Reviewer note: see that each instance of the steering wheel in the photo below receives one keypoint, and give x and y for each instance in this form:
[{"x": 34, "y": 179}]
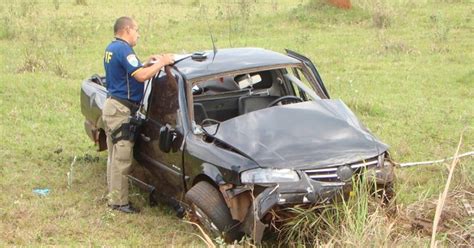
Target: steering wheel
[{"x": 285, "y": 98}]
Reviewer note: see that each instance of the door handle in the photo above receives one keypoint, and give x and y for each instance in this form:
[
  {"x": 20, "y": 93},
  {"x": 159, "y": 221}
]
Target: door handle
[{"x": 145, "y": 138}]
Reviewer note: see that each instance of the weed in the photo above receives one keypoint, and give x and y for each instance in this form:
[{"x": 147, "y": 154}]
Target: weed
[
  {"x": 395, "y": 46},
  {"x": 355, "y": 219},
  {"x": 274, "y": 4},
  {"x": 245, "y": 8},
  {"x": 27, "y": 7},
  {"x": 7, "y": 29},
  {"x": 317, "y": 4},
  {"x": 196, "y": 3},
  {"x": 440, "y": 33},
  {"x": 81, "y": 2},
  {"x": 57, "y": 63},
  {"x": 56, "y": 4},
  {"x": 381, "y": 15},
  {"x": 237, "y": 17},
  {"x": 301, "y": 40},
  {"x": 60, "y": 70},
  {"x": 108, "y": 216},
  {"x": 32, "y": 63}
]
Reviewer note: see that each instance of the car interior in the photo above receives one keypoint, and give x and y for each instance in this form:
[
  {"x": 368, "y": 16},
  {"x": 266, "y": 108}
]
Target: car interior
[{"x": 230, "y": 96}]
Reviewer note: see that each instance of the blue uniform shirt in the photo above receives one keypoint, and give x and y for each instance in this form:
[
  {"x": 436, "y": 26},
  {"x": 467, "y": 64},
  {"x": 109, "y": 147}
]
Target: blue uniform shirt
[{"x": 121, "y": 63}]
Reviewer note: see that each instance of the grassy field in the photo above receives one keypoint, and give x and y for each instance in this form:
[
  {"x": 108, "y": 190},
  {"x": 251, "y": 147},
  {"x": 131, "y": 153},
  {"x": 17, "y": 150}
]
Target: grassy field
[{"x": 405, "y": 67}]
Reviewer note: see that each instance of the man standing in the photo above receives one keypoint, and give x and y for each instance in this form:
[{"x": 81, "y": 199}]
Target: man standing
[{"x": 125, "y": 75}]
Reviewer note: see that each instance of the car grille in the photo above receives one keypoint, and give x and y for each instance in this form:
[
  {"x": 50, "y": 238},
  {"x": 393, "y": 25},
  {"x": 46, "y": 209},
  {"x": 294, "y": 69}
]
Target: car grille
[{"x": 329, "y": 174}]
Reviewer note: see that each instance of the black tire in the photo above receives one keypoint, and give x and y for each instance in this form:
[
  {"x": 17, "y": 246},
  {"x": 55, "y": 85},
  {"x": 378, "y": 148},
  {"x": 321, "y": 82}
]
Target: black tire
[{"x": 209, "y": 208}]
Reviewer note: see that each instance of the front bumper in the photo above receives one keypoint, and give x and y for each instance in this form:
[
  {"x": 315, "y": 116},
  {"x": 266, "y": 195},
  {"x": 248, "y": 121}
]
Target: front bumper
[{"x": 305, "y": 191}]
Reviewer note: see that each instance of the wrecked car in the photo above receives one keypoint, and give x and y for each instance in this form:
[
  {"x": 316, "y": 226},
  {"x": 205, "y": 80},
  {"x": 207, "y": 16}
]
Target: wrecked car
[{"x": 238, "y": 134}]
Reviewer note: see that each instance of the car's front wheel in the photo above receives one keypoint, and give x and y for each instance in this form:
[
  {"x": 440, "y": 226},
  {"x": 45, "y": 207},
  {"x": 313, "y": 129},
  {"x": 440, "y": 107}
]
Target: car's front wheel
[
  {"x": 209, "y": 208},
  {"x": 386, "y": 192}
]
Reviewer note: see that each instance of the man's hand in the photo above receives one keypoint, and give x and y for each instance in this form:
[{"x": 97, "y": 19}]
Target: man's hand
[
  {"x": 167, "y": 59},
  {"x": 151, "y": 60},
  {"x": 153, "y": 65}
]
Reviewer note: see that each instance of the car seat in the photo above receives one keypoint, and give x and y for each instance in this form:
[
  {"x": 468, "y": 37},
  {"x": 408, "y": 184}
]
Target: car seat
[{"x": 251, "y": 103}]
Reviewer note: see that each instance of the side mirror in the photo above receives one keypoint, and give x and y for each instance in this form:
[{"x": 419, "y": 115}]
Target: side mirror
[{"x": 167, "y": 136}]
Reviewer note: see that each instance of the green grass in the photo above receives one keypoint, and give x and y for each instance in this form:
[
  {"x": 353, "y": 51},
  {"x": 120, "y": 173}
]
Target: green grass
[{"x": 404, "y": 67}]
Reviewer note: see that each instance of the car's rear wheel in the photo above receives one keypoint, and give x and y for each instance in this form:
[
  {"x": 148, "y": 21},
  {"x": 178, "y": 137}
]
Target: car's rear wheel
[{"x": 209, "y": 209}]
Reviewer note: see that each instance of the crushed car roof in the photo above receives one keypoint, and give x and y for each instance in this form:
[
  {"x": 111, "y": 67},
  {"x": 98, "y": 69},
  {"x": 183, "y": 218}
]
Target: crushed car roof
[{"x": 231, "y": 59}]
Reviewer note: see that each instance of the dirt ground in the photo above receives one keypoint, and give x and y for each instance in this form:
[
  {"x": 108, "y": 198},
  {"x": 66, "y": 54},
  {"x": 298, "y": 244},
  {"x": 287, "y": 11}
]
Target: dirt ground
[{"x": 457, "y": 218}]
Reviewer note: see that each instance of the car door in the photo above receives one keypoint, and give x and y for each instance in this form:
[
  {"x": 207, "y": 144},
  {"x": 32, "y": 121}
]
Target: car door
[
  {"x": 165, "y": 169},
  {"x": 311, "y": 68}
]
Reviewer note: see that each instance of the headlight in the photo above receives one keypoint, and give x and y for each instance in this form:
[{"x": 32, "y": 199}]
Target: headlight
[{"x": 261, "y": 175}]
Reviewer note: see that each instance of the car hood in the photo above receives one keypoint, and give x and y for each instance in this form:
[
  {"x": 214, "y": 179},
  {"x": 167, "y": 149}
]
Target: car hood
[{"x": 310, "y": 134}]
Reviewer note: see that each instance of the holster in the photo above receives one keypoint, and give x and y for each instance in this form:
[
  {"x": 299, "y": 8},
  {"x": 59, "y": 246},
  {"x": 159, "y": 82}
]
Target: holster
[{"x": 128, "y": 130}]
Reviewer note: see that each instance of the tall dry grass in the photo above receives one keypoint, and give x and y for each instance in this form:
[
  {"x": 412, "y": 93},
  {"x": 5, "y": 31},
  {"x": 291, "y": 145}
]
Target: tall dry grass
[{"x": 357, "y": 220}]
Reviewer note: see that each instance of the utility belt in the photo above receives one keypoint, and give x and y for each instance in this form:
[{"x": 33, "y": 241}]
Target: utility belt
[{"x": 131, "y": 129}]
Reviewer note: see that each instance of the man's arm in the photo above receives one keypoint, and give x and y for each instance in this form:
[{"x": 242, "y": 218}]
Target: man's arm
[{"x": 150, "y": 69}]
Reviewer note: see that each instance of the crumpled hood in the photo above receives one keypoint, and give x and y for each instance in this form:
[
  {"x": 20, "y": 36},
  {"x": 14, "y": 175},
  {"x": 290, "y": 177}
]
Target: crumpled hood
[{"x": 310, "y": 134}]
